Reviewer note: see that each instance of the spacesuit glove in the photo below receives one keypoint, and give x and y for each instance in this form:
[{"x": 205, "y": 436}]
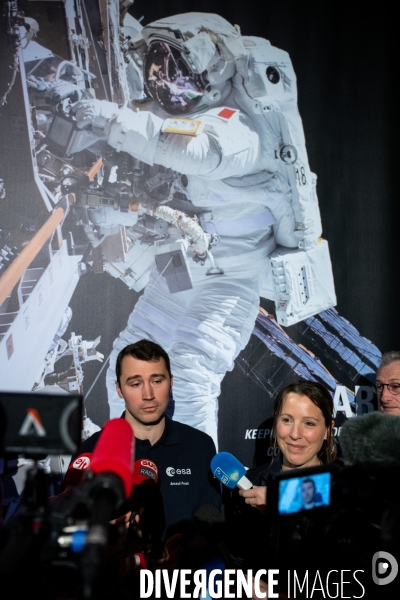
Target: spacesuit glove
[
  {"x": 59, "y": 91},
  {"x": 96, "y": 113}
]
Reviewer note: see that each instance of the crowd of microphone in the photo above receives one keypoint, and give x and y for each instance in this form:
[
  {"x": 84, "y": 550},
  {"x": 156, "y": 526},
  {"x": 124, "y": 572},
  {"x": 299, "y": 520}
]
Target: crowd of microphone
[
  {"x": 72, "y": 545},
  {"x": 65, "y": 548}
]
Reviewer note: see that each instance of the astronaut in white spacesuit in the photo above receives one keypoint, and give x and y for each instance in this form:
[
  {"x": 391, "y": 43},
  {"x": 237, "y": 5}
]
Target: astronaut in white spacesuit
[{"x": 224, "y": 115}]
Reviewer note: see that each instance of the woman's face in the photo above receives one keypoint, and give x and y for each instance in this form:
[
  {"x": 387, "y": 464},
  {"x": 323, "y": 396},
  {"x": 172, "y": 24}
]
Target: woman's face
[{"x": 300, "y": 431}]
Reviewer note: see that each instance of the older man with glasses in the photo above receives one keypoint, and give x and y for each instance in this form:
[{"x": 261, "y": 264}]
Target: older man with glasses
[{"x": 388, "y": 383}]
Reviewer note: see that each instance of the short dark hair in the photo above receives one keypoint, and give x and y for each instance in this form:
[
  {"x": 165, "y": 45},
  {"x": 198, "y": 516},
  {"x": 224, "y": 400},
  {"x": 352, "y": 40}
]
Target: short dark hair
[
  {"x": 308, "y": 480},
  {"x": 142, "y": 350},
  {"x": 320, "y": 396},
  {"x": 389, "y": 357}
]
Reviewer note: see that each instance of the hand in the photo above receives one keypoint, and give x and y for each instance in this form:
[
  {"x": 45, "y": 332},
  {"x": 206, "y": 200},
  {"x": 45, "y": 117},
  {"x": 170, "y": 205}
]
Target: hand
[
  {"x": 263, "y": 589},
  {"x": 122, "y": 520},
  {"x": 54, "y": 501},
  {"x": 136, "y": 522},
  {"x": 97, "y": 113},
  {"x": 132, "y": 564},
  {"x": 256, "y": 497},
  {"x": 171, "y": 554},
  {"x": 60, "y": 90}
]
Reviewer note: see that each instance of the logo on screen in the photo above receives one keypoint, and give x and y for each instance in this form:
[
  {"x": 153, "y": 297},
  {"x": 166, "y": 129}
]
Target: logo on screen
[
  {"x": 384, "y": 568},
  {"x": 32, "y": 424}
]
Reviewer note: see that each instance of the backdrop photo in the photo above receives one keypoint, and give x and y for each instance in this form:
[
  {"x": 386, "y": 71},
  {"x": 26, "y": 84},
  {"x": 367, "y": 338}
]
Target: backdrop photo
[{"x": 232, "y": 199}]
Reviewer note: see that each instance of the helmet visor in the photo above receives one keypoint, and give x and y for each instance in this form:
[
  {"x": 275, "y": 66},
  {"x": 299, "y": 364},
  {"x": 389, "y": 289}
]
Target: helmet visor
[{"x": 169, "y": 80}]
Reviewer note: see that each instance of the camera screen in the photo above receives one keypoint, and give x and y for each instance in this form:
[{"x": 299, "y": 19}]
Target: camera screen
[
  {"x": 60, "y": 130},
  {"x": 304, "y": 493},
  {"x": 38, "y": 424},
  {"x": 60, "y": 134}
]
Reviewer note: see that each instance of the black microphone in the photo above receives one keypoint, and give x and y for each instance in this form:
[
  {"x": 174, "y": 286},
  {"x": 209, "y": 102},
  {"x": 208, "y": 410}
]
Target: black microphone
[
  {"x": 371, "y": 440},
  {"x": 112, "y": 468},
  {"x": 212, "y": 525},
  {"x": 145, "y": 478},
  {"x": 146, "y": 494}
]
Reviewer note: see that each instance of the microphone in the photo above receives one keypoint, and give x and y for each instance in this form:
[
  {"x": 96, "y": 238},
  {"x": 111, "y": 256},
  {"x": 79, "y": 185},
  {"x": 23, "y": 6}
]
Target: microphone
[
  {"x": 372, "y": 440},
  {"x": 211, "y": 525},
  {"x": 145, "y": 479},
  {"x": 230, "y": 471},
  {"x": 111, "y": 465},
  {"x": 132, "y": 562},
  {"x": 74, "y": 475},
  {"x": 144, "y": 470},
  {"x": 114, "y": 454},
  {"x": 76, "y": 470}
]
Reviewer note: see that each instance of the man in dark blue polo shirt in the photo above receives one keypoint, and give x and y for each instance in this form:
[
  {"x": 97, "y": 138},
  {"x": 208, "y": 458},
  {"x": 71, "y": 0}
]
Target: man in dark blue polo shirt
[{"x": 181, "y": 453}]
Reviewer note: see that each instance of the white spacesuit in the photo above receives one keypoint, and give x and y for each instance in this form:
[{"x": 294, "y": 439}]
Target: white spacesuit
[{"x": 225, "y": 116}]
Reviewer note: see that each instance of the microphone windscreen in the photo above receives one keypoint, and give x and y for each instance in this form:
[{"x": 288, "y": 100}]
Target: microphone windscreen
[
  {"x": 227, "y": 469},
  {"x": 114, "y": 452},
  {"x": 371, "y": 439},
  {"x": 76, "y": 470},
  {"x": 144, "y": 471}
]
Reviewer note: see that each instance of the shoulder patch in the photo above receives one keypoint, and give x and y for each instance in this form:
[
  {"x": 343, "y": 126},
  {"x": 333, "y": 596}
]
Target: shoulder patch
[{"x": 183, "y": 126}]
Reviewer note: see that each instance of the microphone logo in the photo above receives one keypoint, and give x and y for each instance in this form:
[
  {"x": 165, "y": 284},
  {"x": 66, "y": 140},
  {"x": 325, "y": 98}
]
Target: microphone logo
[
  {"x": 82, "y": 462},
  {"x": 223, "y": 477},
  {"x": 147, "y": 473},
  {"x": 148, "y": 463},
  {"x": 384, "y": 568},
  {"x": 32, "y": 424}
]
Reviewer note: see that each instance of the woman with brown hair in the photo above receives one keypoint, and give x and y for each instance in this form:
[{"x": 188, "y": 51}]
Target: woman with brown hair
[{"x": 303, "y": 431}]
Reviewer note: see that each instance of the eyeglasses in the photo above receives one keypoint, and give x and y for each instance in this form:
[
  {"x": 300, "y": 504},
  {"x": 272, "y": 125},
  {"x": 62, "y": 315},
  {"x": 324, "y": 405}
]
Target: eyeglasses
[{"x": 393, "y": 388}]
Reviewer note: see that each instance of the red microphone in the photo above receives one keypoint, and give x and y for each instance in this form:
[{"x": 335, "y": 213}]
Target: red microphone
[
  {"x": 144, "y": 471},
  {"x": 76, "y": 470},
  {"x": 133, "y": 562},
  {"x": 114, "y": 452},
  {"x": 112, "y": 468}
]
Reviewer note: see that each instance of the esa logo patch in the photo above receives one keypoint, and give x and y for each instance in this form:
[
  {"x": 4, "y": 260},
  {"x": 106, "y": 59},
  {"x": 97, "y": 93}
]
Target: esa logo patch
[{"x": 171, "y": 471}]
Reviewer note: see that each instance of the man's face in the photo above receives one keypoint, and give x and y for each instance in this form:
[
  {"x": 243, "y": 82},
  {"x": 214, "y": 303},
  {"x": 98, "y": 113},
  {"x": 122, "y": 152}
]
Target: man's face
[
  {"x": 307, "y": 492},
  {"x": 145, "y": 387},
  {"x": 389, "y": 402}
]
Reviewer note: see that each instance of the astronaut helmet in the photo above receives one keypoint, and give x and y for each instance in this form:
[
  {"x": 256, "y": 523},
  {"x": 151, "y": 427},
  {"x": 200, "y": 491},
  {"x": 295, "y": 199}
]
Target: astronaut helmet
[{"x": 190, "y": 60}]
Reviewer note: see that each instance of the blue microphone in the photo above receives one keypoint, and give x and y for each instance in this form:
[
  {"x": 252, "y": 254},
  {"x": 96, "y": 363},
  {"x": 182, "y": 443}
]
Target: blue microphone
[{"x": 230, "y": 471}]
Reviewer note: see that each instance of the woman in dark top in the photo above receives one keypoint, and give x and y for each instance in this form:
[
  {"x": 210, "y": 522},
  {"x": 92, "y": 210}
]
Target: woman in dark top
[{"x": 303, "y": 431}]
